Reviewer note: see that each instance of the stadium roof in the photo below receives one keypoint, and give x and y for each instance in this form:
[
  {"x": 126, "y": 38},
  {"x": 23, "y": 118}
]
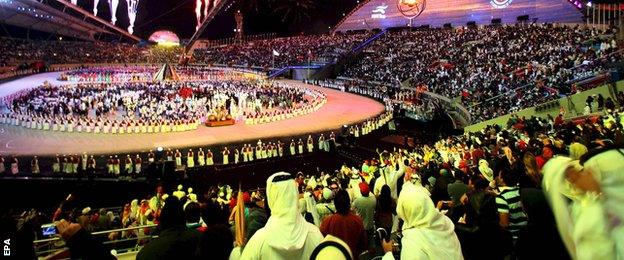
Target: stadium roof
[{"x": 58, "y": 17}]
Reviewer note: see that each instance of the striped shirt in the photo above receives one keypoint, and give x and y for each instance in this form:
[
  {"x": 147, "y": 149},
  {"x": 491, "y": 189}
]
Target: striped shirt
[{"x": 508, "y": 201}]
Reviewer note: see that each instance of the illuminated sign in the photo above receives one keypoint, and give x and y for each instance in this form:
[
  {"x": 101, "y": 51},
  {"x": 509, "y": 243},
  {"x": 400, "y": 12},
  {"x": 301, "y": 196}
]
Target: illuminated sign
[
  {"x": 379, "y": 12},
  {"x": 500, "y": 4}
]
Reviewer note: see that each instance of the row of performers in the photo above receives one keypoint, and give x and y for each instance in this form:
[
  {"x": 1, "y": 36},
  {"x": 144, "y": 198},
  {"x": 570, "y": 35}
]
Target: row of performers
[
  {"x": 277, "y": 115},
  {"x": 247, "y": 153},
  {"x": 126, "y": 126},
  {"x": 106, "y": 77},
  {"x": 71, "y": 164}
]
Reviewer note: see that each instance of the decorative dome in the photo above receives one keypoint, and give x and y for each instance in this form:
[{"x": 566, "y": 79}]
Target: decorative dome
[{"x": 165, "y": 38}]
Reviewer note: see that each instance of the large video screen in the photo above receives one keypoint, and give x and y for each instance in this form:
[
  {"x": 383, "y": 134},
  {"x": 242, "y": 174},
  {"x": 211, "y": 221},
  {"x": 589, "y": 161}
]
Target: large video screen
[{"x": 436, "y": 13}]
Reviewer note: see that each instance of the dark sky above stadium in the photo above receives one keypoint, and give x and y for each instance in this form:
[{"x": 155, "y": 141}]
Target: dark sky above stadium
[{"x": 284, "y": 17}]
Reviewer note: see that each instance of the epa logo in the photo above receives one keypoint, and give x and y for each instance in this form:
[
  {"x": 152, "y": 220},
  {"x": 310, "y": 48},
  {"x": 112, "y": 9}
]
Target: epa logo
[
  {"x": 7, "y": 247},
  {"x": 500, "y": 4}
]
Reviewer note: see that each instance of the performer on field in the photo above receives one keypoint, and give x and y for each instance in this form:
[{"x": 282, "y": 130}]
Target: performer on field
[
  {"x": 116, "y": 165},
  {"x": 83, "y": 161},
  {"x": 209, "y": 158},
  {"x": 169, "y": 155},
  {"x": 178, "y": 158},
  {"x": 226, "y": 155},
  {"x": 236, "y": 155},
  {"x": 292, "y": 147},
  {"x": 190, "y": 159},
  {"x": 91, "y": 164},
  {"x": 56, "y": 165},
  {"x": 300, "y": 146},
  {"x": 137, "y": 164},
  {"x": 245, "y": 153},
  {"x": 201, "y": 157},
  {"x": 321, "y": 143},
  {"x": 34, "y": 166},
  {"x": 310, "y": 144},
  {"x": 151, "y": 157},
  {"x": 110, "y": 165},
  {"x": 128, "y": 165}
]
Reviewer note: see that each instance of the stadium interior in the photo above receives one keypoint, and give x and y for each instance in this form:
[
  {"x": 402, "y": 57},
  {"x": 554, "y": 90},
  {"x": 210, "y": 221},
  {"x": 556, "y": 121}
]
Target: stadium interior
[{"x": 301, "y": 129}]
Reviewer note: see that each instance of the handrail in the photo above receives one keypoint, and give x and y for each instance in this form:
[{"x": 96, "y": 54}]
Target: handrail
[{"x": 96, "y": 233}]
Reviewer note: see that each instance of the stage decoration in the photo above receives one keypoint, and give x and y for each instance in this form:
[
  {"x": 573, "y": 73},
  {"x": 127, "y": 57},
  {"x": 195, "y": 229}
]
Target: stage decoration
[
  {"x": 411, "y": 9},
  {"x": 113, "y": 8},
  {"x": 500, "y": 4},
  {"x": 132, "y": 12},
  {"x": 95, "y": 4},
  {"x": 167, "y": 38}
]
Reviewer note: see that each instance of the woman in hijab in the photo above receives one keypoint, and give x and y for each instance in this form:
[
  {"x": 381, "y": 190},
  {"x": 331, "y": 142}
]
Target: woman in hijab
[
  {"x": 427, "y": 234},
  {"x": 587, "y": 203},
  {"x": 286, "y": 234}
]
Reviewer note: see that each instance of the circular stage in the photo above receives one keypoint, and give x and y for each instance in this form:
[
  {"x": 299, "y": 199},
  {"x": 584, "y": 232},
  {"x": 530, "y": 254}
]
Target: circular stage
[{"x": 341, "y": 109}]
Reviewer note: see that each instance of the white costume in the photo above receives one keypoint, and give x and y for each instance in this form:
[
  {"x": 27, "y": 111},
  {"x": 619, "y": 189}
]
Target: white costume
[
  {"x": 427, "y": 233},
  {"x": 590, "y": 225},
  {"x": 286, "y": 234}
]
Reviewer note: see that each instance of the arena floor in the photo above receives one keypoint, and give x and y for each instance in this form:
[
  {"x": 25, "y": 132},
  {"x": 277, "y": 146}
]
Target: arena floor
[{"x": 341, "y": 108}]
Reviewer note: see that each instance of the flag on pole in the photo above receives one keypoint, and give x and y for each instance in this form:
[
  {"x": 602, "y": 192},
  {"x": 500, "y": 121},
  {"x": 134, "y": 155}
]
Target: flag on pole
[
  {"x": 239, "y": 218},
  {"x": 275, "y": 53}
]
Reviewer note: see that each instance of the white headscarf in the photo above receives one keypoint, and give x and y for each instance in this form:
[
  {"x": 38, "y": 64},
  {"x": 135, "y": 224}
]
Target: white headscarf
[
  {"x": 286, "y": 234},
  {"x": 486, "y": 171},
  {"x": 580, "y": 216},
  {"x": 427, "y": 234}
]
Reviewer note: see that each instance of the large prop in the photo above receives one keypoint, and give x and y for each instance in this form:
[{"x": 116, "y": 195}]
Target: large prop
[{"x": 411, "y": 9}]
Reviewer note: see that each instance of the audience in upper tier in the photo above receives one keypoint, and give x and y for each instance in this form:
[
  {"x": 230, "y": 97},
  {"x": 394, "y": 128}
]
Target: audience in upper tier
[
  {"x": 17, "y": 51},
  {"x": 281, "y": 52}
]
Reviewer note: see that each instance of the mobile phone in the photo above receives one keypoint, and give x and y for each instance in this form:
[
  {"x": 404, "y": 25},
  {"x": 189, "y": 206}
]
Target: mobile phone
[{"x": 48, "y": 229}]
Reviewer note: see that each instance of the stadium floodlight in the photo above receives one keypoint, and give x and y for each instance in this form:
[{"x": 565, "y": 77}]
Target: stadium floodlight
[
  {"x": 132, "y": 12},
  {"x": 113, "y": 7}
]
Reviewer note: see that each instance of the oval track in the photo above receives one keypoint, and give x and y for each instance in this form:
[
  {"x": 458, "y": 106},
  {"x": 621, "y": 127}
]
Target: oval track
[{"x": 341, "y": 109}]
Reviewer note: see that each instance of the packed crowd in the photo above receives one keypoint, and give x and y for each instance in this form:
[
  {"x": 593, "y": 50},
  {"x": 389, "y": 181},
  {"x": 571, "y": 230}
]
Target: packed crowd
[
  {"x": 16, "y": 51},
  {"x": 281, "y": 52},
  {"x": 412, "y": 101},
  {"x": 498, "y": 193},
  {"x": 527, "y": 64},
  {"x": 153, "y": 107}
]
